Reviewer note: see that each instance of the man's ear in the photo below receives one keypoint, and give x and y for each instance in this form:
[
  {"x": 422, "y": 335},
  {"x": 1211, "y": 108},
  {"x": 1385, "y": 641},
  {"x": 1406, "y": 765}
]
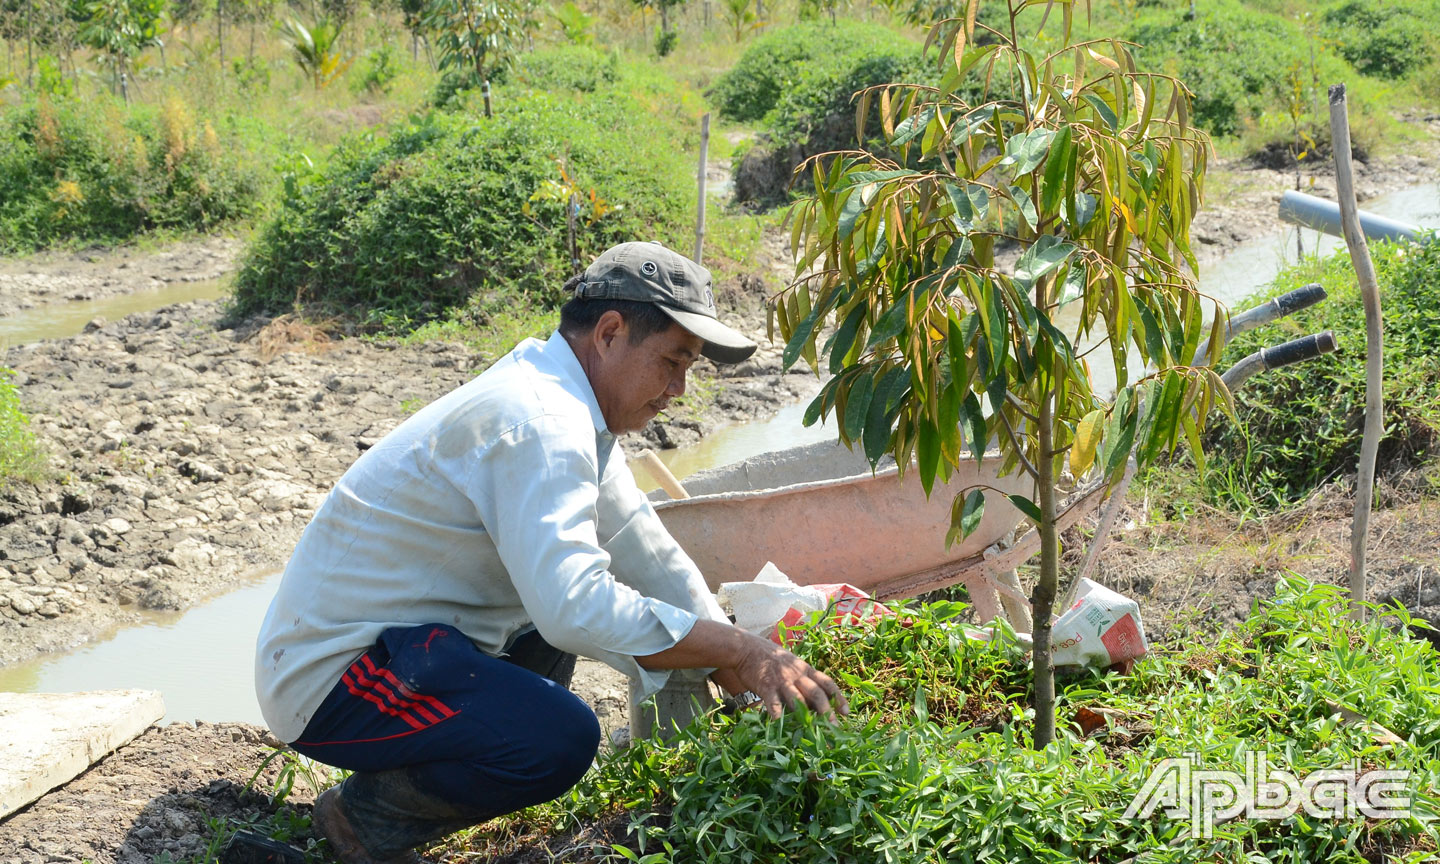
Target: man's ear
[{"x": 608, "y": 329}]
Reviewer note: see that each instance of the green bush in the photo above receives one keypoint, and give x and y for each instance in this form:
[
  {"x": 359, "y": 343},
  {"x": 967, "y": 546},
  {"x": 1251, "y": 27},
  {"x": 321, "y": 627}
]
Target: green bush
[
  {"x": 1384, "y": 39},
  {"x": 21, "y": 457},
  {"x": 1302, "y": 425},
  {"x": 568, "y": 68},
  {"x": 1240, "y": 64},
  {"x": 105, "y": 172},
  {"x": 454, "y": 211},
  {"x": 775, "y": 63},
  {"x": 934, "y": 764}
]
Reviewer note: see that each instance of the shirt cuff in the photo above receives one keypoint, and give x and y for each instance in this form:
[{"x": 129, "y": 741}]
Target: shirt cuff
[{"x": 675, "y": 623}]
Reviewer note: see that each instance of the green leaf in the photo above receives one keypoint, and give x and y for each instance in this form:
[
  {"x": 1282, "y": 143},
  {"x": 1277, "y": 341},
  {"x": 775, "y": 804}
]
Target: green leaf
[
  {"x": 1075, "y": 280},
  {"x": 1105, "y": 111},
  {"x": 822, "y": 401},
  {"x": 972, "y": 513},
  {"x": 1025, "y": 151},
  {"x": 854, "y": 206},
  {"x": 927, "y": 454},
  {"x": 891, "y": 323},
  {"x": 912, "y": 127},
  {"x": 1044, "y": 255},
  {"x": 801, "y": 337},
  {"x": 844, "y": 338},
  {"x": 1085, "y": 207},
  {"x": 972, "y": 421},
  {"x": 884, "y": 406},
  {"x": 863, "y": 178},
  {"x": 1026, "y": 506},
  {"x": 1025, "y": 205},
  {"x": 857, "y": 404},
  {"x": 1055, "y": 170}
]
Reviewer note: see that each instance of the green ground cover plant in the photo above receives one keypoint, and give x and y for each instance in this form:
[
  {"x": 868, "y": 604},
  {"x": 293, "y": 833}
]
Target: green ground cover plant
[
  {"x": 1301, "y": 425},
  {"x": 934, "y": 763},
  {"x": 21, "y": 457},
  {"x": 103, "y": 171}
]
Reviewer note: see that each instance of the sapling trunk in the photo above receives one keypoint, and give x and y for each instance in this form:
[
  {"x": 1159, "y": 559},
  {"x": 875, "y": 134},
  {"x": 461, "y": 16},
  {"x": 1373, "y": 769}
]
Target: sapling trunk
[{"x": 1042, "y": 599}]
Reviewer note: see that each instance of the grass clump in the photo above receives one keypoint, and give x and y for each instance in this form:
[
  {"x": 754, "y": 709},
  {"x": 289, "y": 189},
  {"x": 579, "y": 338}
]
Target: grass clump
[
  {"x": 21, "y": 457},
  {"x": 102, "y": 171},
  {"x": 455, "y": 214},
  {"x": 916, "y": 774},
  {"x": 1301, "y": 426}
]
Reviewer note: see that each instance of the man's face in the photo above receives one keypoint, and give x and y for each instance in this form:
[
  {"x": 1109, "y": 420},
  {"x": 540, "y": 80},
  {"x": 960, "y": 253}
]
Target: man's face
[{"x": 636, "y": 382}]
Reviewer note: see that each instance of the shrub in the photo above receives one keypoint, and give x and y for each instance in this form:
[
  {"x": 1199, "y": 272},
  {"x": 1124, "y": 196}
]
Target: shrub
[
  {"x": 1302, "y": 424},
  {"x": 815, "y": 112},
  {"x": 454, "y": 211},
  {"x": 568, "y": 68},
  {"x": 105, "y": 172},
  {"x": 1240, "y": 64},
  {"x": 21, "y": 457},
  {"x": 1384, "y": 39},
  {"x": 777, "y": 61}
]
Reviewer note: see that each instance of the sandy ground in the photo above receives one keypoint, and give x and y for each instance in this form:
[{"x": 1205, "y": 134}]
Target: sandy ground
[{"x": 195, "y": 452}]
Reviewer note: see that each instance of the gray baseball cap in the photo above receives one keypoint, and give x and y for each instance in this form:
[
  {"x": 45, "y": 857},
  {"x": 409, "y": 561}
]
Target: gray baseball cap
[{"x": 650, "y": 273}]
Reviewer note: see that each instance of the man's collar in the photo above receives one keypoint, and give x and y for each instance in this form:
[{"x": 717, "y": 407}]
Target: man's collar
[{"x": 557, "y": 347}]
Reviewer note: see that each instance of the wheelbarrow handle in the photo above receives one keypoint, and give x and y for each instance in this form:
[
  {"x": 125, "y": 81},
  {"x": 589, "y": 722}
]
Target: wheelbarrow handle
[
  {"x": 1273, "y": 309},
  {"x": 1278, "y": 307},
  {"x": 1294, "y": 351}
]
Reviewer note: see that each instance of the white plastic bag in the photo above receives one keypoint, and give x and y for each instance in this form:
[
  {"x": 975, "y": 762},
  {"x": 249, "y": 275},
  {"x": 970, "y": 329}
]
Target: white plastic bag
[
  {"x": 1101, "y": 629},
  {"x": 760, "y": 604}
]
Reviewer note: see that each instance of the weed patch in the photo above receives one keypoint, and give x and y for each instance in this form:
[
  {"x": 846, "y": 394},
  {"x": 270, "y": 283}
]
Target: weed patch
[
  {"x": 21, "y": 457},
  {"x": 1301, "y": 426},
  {"x": 906, "y": 778},
  {"x": 103, "y": 171}
]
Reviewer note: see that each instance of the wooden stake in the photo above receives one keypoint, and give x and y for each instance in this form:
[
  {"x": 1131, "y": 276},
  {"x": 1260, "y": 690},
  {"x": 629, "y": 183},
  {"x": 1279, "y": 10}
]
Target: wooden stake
[
  {"x": 1374, "y": 352},
  {"x": 700, "y": 209},
  {"x": 485, "y": 91}
]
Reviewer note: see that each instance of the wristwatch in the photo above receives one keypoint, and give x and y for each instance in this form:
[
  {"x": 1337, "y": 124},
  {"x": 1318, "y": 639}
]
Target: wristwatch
[{"x": 741, "y": 701}]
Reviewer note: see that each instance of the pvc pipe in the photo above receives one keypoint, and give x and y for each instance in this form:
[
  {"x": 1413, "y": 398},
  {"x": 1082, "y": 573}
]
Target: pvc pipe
[
  {"x": 1294, "y": 351},
  {"x": 1300, "y": 209}
]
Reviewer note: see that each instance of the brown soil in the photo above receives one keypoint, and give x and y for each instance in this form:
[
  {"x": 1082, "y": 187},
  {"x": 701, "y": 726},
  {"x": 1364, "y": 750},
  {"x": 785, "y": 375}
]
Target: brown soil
[{"x": 155, "y": 795}]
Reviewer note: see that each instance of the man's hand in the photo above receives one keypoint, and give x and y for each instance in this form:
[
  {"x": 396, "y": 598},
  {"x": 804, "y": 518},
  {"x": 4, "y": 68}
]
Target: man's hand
[{"x": 744, "y": 661}]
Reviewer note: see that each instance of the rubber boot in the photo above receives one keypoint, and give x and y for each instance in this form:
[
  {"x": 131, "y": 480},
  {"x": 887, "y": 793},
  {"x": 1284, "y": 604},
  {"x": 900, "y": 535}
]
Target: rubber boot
[{"x": 387, "y": 816}]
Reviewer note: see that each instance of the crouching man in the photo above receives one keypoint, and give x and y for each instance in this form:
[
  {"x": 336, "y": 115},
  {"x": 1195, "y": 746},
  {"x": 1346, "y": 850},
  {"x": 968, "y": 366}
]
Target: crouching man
[{"x": 426, "y": 627}]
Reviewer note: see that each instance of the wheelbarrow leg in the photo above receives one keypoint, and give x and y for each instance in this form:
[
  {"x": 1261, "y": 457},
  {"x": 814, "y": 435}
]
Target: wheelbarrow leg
[
  {"x": 1016, "y": 609},
  {"x": 682, "y": 699}
]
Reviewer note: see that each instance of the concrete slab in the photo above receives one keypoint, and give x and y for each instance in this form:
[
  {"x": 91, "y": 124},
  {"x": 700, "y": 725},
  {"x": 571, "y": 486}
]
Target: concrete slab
[{"x": 51, "y": 738}]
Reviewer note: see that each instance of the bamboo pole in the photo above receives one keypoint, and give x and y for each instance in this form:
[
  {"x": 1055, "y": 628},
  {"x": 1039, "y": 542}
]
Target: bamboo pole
[
  {"x": 1374, "y": 380},
  {"x": 700, "y": 208}
]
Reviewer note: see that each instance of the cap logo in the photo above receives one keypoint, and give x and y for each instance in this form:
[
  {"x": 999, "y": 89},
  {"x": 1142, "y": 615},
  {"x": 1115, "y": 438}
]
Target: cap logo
[{"x": 649, "y": 268}]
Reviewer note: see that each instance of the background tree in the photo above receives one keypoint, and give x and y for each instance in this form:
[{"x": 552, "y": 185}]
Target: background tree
[
  {"x": 481, "y": 35},
  {"x": 1091, "y": 168},
  {"x": 316, "y": 50},
  {"x": 120, "y": 30},
  {"x": 739, "y": 18}
]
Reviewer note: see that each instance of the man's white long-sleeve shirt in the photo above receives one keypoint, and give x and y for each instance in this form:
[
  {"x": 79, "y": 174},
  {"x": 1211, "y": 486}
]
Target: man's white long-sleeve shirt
[{"x": 503, "y": 504}]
